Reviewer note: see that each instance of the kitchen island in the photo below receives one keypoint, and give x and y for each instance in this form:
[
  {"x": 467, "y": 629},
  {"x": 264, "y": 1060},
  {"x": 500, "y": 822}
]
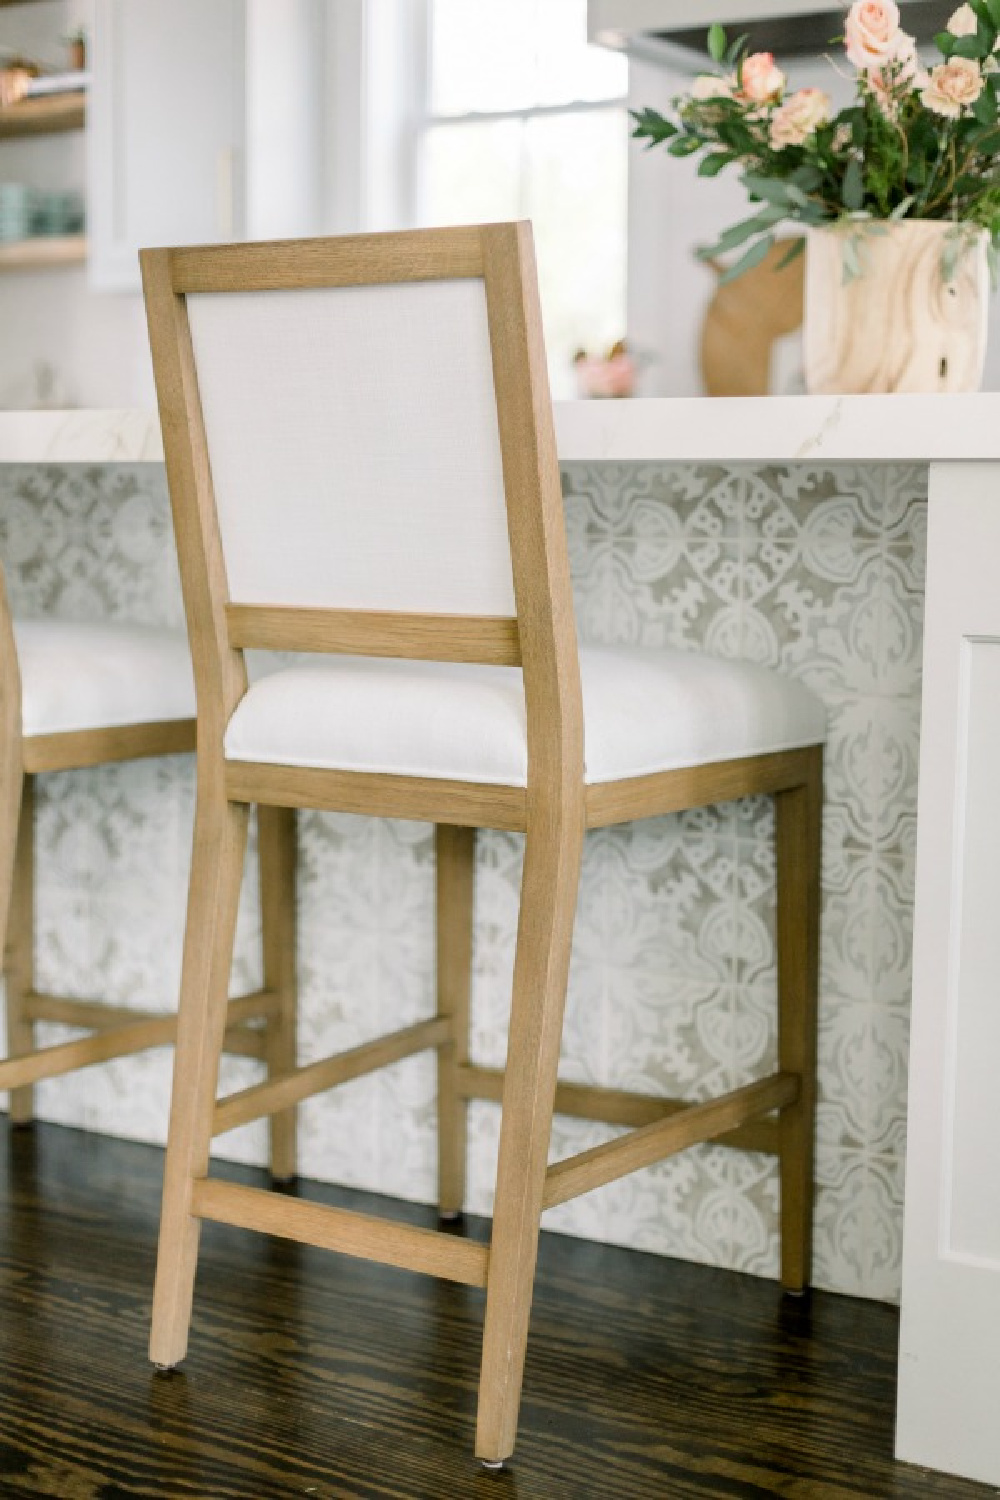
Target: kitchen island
[{"x": 793, "y": 531}]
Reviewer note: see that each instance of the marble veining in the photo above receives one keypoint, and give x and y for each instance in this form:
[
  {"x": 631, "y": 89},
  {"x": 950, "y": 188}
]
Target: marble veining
[{"x": 831, "y": 429}]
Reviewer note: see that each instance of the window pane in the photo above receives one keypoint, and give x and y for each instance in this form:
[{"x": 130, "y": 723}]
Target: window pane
[
  {"x": 575, "y": 195},
  {"x": 471, "y": 173},
  {"x": 568, "y": 67},
  {"x": 513, "y": 54},
  {"x": 567, "y": 173}
]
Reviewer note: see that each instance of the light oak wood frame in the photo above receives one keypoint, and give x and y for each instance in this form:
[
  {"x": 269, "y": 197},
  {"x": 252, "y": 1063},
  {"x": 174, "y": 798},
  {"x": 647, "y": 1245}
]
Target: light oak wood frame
[
  {"x": 553, "y": 811},
  {"x": 116, "y": 1031}
]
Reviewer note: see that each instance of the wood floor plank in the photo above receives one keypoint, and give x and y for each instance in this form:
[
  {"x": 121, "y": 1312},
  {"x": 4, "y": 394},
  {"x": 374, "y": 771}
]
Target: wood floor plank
[{"x": 314, "y": 1374}]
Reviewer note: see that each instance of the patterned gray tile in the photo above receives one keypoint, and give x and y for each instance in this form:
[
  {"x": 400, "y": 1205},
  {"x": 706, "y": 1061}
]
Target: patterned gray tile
[{"x": 817, "y": 570}]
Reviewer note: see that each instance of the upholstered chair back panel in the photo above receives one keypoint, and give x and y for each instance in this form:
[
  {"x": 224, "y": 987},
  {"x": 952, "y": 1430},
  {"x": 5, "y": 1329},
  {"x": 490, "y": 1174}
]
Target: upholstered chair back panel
[{"x": 356, "y": 463}]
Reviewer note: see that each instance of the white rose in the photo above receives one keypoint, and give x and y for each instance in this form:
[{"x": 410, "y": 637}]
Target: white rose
[
  {"x": 711, "y": 86},
  {"x": 795, "y": 120},
  {"x": 963, "y": 22}
]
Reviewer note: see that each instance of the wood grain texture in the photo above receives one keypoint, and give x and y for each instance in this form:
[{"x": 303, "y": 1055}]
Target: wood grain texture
[
  {"x": 330, "y": 1377},
  {"x": 899, "y": 326},
  {"x": 618, "y": 1107},
  {"x": 744, "y": 319},
  {"x": 348, "y": 260},
  {"x": 16, "y": 857},
  {"x": 490, "y": 640},
  {"x": 651, "y": 1143},
  {"x": 555, "y": 818},
  {"x": 694, "y": 786},
  {"x": 119, "y": 1033},
  {"x": 277, "y": 860},
  {"x": 390, "y": 1244},
  {"x": 98, "y": 747},
  {"x": 427, "y": 799},
  {"x": 220, "y": 840},
  {"x": 283, "y": 1091},
  {"x": 45, "y": 116},
  {"x": 43, "y": 251},
  {"x": 798, "y": 837},
  {"x": 455, "y": 850}
]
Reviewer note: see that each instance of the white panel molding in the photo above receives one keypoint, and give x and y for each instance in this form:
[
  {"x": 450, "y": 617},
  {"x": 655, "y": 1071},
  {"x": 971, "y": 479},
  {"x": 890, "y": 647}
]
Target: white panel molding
[{"x": 949, "y": 1363}]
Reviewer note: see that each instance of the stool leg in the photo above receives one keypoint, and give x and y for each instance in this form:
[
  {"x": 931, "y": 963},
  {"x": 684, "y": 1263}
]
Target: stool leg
[
  {"x": 276, "y": 846},
  {"x": 17, "y": 905},
  {"x": 798, "y": 815},
  {"x": 541, "y": 968},
  {"x": 456, "y": 857},
  {"x": 220, "y": 838}
]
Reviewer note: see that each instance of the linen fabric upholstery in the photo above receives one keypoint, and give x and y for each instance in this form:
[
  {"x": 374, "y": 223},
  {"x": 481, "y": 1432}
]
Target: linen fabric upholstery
[
  {"x": 356, "y": 464},
  {"x": 645, "y": 710},
  {"x": 79, "y": 675}
]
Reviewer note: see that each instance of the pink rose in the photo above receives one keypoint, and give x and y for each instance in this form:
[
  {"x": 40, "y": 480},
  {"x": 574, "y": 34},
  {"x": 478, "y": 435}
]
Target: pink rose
[
  {"x": 952, "y": 87},
  {"x": 603, "y": 378},
  {"x": 761, "y": 81},
  {"x": 798, "y": 117},
  {"x": 899, "y": 77},
  {"x": 872, "y": 33}
]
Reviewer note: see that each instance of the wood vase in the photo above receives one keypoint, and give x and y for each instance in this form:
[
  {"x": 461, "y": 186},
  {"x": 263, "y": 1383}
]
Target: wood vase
[{"x": 899, "y": 326}]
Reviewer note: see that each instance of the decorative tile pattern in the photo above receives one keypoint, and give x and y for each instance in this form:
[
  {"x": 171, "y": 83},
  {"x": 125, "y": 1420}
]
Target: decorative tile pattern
[{"x": 816, "y": 570}]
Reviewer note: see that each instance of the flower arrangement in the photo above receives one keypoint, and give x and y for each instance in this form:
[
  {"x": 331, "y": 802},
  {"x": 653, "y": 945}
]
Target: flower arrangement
[{"x": 916, "y": 143}]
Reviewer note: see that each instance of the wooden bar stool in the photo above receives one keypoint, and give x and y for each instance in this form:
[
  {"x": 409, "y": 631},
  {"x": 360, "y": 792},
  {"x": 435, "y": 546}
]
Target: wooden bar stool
[
  {"x": 75, "y": 694},
  {"x": 362, "y": 469}
]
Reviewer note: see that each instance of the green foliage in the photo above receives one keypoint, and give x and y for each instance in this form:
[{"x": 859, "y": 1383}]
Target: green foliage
[{"x": 889, "y": 155}]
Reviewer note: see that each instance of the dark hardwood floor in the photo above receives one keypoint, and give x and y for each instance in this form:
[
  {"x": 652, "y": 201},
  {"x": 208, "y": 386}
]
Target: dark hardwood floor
[{"x": 311, "y": 1374}]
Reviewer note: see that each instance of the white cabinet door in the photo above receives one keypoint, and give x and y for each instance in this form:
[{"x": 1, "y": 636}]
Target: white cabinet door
[
  {"x": 166, "y": 130},
  {"x": 949, "y": 1357}
]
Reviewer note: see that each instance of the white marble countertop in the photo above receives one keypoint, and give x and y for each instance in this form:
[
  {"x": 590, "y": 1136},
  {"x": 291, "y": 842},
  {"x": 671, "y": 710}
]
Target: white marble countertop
[{"x": 870, "y": 429}]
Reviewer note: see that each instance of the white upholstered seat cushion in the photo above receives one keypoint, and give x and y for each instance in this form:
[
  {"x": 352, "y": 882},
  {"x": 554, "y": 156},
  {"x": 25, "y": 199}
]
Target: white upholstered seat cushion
[
  {"x": 78, "y": 675},
  {"x": 645, "y": 710}
]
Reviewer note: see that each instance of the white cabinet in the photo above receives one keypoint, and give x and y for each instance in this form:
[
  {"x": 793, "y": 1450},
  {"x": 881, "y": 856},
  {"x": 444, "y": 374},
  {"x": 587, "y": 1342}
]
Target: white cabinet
[
  {"x": 204, "y": 124},
  {"x": 949, "y": 1353}
]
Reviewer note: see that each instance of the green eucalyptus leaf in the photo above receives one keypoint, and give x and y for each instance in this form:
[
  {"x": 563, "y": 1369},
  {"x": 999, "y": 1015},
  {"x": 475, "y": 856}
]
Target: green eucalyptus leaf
[
  {"x": 807, "y": 177},
  {"x": 684, "y": 145},
  {"x": 985, "y": 107},
  {"x": 768, "y": 188},
  {"x": 712, "y": 165},
  {"x": 793, "y": 252},
  {"x": 993, "y": 6},
  {"x": 716, "y": 42},
  {"x": 945, "y": 43},
  {"x": 986, "y": 142},
  {"x": 971, "y": 46},
  {"x": 852, "y": 191},
  {"x": 733, "y": 51},
  {"x": 852, "y": 267},
  {"x": 747, "y": 261},
  {"x": 738, "y": 234}
]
